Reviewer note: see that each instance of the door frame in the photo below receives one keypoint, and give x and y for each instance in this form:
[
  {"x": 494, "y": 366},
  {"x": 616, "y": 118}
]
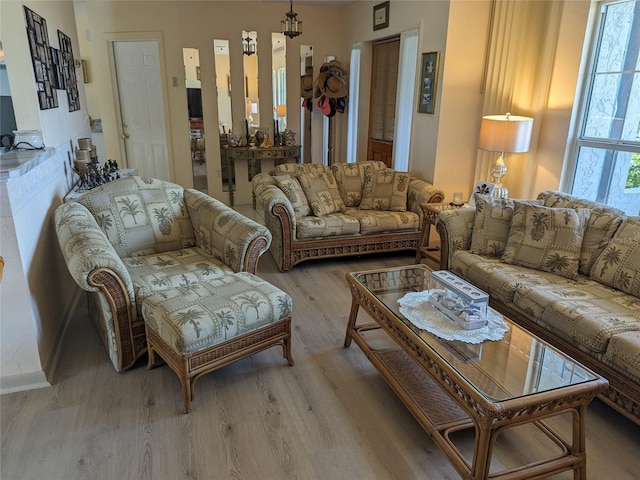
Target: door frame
[{"x": 115, "y": 136}]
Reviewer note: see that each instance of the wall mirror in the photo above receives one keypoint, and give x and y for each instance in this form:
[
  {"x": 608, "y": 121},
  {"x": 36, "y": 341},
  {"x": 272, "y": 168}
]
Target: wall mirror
[
  {"x": 279, "y": 68},
  {"x": 191, "y": 58},
  {"x": 225, "y": 117},
  {"x": 252, "y": 102},
  {"x": 306, "y": 96}
]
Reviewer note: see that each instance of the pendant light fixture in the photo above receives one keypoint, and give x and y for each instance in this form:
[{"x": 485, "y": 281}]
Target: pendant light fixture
[
  {"x": 248, "y": 45},
  {"x": 290, "y": 25}
]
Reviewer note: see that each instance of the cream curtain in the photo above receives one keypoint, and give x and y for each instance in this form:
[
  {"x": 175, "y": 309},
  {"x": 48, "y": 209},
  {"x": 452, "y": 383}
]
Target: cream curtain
[{"x": 518, "y": 64}]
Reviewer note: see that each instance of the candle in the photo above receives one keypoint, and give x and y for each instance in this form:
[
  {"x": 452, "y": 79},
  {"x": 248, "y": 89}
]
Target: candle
[
  {"x": 84, "y": 155},
  {"x": 84, "y": 144},
  {"x": 457, "y": 198}
]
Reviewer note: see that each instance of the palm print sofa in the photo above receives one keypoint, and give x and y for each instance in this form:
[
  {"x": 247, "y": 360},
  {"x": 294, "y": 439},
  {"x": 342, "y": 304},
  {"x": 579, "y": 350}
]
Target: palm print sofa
[
  {"x": 137, "y": 237},
  {"x": 566, "y": 269},
  {"x": 314, "y": 211}
]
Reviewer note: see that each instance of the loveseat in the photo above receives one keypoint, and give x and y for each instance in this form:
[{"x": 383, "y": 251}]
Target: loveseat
[
  {"x": 137, "y": 237},
  {"x": 314, "y": 211},
  {"x": 566, "y": 269}
]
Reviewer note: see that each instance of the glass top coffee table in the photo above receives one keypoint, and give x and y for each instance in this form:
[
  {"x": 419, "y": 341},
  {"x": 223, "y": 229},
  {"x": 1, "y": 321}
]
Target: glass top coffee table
[{"x": 491, "y": 386}]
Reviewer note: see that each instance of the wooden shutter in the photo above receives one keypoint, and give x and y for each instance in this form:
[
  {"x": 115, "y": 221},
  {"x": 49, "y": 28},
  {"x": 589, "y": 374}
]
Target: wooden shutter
[{"x": 386, "y": 56}]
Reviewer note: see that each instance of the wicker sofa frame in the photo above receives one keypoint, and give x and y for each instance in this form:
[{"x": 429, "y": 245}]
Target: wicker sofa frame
[{"x": 623, "y": 394}]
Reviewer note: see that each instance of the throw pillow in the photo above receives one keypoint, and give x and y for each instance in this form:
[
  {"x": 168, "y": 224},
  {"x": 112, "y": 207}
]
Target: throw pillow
[
  {"x": 292, "y": 189},
  {"x": 618, "y": 265},
  {"x": 350, "y": 178},
  {"x": 385, "y": 190},
  {"x": 601, "y": 227},
  {"x": 491, "y": 225},
  {"x": 546, "y": 239},
  {"x": 322, "y": 193}
]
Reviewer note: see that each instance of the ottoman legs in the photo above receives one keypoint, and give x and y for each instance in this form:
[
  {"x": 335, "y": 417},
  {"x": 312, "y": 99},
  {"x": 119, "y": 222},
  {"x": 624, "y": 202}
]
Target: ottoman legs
[{"x": 191, "y": 366}]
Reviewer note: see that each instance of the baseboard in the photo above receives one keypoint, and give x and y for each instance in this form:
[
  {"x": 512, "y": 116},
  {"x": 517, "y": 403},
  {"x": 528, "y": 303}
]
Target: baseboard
[
  {"x": 23, "y": 381},
  {"x": 51, "y": 363}
]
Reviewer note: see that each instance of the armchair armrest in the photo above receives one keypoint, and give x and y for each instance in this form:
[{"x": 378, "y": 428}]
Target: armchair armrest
[
  {"x": 422, "y": 192},
  {"x": 87, "y": 250},
  {"x": 232, "y": 238},
  {"x": 454, "y": 228},
  {"x": 260, "y": 182},
  {"x": 96, "y": 267}
]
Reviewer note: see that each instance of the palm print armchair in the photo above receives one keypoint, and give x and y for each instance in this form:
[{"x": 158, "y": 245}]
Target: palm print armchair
[{"x": 135, "y": 237}]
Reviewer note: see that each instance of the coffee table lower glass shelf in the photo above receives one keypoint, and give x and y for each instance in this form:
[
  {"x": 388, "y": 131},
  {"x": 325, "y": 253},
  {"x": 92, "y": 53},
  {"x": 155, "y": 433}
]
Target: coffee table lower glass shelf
[{"x": 450, "y": 385}]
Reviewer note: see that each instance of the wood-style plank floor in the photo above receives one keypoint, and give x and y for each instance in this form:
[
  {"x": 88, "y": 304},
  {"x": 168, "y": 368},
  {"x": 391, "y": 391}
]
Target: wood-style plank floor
[{"x": 331, "y": 416}]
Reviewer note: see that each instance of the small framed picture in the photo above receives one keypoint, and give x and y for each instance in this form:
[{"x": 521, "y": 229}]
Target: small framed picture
[
  {"x": 428, "y": 82},
  {"x": 381, "y": 16},
  {"x": 483, "y": 188}
]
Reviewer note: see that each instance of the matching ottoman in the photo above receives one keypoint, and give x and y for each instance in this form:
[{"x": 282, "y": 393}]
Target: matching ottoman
[{"x": 204, "y": 326}]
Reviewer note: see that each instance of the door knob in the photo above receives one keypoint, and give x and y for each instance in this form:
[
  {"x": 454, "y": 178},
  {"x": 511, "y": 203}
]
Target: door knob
[{"x": 125, "y": 135}]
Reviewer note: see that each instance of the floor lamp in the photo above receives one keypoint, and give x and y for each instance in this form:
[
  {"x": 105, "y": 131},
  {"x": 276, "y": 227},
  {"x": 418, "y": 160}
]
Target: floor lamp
[{"x": 504, "y": 133}]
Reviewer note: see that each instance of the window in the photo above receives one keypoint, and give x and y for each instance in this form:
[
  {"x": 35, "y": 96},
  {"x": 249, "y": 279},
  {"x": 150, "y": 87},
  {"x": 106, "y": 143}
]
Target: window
[{"x": 607, "y": 165}]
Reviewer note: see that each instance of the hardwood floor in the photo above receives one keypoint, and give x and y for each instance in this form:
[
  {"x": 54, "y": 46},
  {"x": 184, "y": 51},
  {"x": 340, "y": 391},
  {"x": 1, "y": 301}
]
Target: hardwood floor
[{"x": 331, "y": 416}]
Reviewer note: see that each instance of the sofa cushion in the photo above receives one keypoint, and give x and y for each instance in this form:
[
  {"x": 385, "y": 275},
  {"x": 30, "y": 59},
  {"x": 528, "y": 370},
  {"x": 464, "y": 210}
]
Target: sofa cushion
[
  {"x": 294, "y": 192},
  {"x": 619, "y": 264},
  {"x": 602, "y": 224},
  {"x": 547, "y": 239},
  {"x": 373, "y": 221},
  {"x": 496, "y": 278},
  {"x": 623, "y": 353},
  {"x": 330, "y": 225},
  {"x": 350, "y": 178},
  {"x": 581, "y": 311},
  {"x": 491, "y": 224},
  {"x": 157, "y": 273},
  {"x": 141, "y": 215},
  {"x": 385, "y": 190},
  {"x": 228, "y": 307},
  {"x": 322, "y": 193}
]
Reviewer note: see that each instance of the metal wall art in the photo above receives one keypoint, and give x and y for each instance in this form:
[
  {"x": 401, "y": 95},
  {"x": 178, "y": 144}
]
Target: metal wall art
[{"x": 53, "y": 68}]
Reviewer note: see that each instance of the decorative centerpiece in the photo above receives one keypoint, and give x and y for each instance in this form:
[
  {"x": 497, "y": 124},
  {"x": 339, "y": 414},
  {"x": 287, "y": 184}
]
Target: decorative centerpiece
[
  {"x": 86, "y": 165},
  {"x": 460, "y": 301}
]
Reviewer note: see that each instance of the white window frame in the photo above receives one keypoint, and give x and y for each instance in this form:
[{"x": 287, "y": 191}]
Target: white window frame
[{"x": 582, "y": 101}]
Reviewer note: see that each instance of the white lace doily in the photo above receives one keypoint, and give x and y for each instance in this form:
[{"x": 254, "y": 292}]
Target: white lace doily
[{"x": 416, "y": 307}]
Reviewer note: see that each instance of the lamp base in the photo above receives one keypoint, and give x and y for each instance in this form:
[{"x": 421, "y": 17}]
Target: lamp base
[{"x": 498, "y": 171}]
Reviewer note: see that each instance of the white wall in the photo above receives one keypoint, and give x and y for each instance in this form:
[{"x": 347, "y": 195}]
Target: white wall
[
  {"x": 195, "y": 25},
  {"x": 36, "y": 294}
]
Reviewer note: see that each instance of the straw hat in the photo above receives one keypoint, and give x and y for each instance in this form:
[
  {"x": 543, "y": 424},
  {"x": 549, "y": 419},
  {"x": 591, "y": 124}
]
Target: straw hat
[
  {"x": 332, "y": 81},
  {"x": 306, "y": 86}
]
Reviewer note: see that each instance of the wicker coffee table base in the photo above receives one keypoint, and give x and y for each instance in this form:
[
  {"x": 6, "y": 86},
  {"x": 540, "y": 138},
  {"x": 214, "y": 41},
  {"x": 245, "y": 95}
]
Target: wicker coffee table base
[{"x": 443, "y": 401}]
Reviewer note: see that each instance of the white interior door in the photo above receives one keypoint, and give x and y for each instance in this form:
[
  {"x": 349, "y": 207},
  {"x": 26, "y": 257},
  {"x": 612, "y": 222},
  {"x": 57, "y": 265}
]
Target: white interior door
[{"x": 142, "y": 107}]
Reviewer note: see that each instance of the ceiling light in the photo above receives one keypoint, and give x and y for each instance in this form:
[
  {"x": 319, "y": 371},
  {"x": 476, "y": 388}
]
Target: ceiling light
[{"x": 290, "y": 25}]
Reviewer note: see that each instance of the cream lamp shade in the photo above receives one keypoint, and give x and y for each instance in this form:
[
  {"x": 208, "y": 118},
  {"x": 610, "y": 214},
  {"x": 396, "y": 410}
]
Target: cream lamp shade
[
  {"x": 504, "y": 133},
  {"x": 281, "y": 110}
]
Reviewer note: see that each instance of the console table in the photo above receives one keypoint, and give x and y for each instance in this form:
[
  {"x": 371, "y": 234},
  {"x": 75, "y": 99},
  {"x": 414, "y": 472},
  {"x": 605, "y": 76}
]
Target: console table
[{"x": 254, "y": 157}]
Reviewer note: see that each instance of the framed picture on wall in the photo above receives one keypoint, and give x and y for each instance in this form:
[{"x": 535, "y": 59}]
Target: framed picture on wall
[
  {"x": 428, "y": 82},
  {"x": 381, "y": 16}
]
